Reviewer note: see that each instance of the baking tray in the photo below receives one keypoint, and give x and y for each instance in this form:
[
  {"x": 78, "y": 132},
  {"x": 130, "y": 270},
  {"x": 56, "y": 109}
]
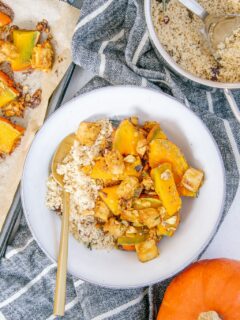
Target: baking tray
[{"x": 12, "y": 221}]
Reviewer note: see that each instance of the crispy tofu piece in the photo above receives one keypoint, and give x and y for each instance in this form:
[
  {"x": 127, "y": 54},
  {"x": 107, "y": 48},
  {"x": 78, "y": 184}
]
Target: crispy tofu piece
[
  {"x": 114, "y": 161},
  {"x": 42, "y": 56},
  {"x": 128, "y": 187},
  {"x": 192, "y": 179},
  {"x": 150, "y": 217},
  {"x": 114, "y": 228},
  {"x": 88, "y": 132},
  {"x": 101, "y": 211},
  {"x": 168, "y": 225},
  {"x": 8, "y": 51},
  {"x": 131, "y": 216},
  {"x": 147, "y": 250},
  {"x": 147, "y": 182}
]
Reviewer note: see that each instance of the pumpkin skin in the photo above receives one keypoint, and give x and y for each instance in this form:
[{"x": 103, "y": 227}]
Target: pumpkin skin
[{"x": 208, "y": 285}]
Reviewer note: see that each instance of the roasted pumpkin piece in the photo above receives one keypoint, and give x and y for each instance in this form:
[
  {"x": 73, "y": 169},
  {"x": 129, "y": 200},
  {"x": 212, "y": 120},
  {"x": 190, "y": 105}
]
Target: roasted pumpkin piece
[
  {"x": 146, "y": 202},
  {"x": 8, "y": 92},
  {"x": 24, "y": 41},
  {"x": 149, "y": 217},
  {"x": 115, "y": 163},
  {"x": 42, "y": 56},
  {"x": 114, "y": 228},
  {"x": 9, "y": 136},
  {"x": 102, "y": 211},
  {"x": 168, "y": 226},
  {"x": 147, "y": 250},
  {"x": 88, "y": 132},
  {"x": 128, "y": 188},
  {"x": 161, "y": 150},
  {"x": 8, "y": 51},
  {"x": 133, "y": 166},
  {"x": 100, "y": 171},
  {"x": 183, "y": 192},
  {"x": 148, "y": 125},
  {"x": 4, "y": 19},
  {"x": 127, "y": 247},
  {"x": 192, "y": 179},
  {"x": 110, "y": 196},
  {"x": 14, "y": 108},
  {"x": 166, "y": 188},
  {"x": 126, "y": 138},
  {"x": 156, "y": 133}
]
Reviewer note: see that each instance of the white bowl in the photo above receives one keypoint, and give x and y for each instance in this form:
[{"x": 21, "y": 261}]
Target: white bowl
[{"x": 199, "y": 217}]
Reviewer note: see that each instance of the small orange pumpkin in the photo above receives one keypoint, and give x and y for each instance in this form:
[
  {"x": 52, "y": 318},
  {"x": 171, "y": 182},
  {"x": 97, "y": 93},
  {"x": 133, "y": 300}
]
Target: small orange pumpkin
[{"x": 208, "y": 289}]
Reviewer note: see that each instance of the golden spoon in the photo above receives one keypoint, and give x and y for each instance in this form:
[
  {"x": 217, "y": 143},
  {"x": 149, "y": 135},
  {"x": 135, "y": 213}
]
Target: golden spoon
[{"x": 60, "y": 291}]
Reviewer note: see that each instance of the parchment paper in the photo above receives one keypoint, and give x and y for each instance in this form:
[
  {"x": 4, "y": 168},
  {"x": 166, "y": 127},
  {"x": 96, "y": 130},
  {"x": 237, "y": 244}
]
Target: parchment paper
[{"x": 62, "y": 20}]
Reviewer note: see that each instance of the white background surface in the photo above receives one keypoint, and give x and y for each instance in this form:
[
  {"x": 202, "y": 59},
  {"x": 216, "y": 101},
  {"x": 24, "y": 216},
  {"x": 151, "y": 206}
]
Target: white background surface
[{"x": 227, "y": 241}]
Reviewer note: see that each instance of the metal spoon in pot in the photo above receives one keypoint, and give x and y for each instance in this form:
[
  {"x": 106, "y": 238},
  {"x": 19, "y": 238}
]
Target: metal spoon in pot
[
  {"x": 60, "y": 291},
  {"x": 216, "y": 28}
]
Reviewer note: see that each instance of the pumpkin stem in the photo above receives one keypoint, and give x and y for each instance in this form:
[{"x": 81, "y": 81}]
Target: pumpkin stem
[{"x": 210, "y": 315}]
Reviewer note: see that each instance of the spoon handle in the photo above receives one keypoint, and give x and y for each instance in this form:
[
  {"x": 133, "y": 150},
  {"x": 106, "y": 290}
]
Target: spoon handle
[
  {"x": 60, "y": 291},
  {"x": 195, "y": 7}
]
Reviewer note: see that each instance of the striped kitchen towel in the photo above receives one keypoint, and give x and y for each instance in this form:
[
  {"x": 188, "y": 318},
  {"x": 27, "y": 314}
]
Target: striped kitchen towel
[{"x": 112, "y": 42}]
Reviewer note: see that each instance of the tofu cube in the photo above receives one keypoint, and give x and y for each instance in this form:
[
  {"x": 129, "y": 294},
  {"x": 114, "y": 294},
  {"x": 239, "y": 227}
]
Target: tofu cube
[
  {"x": 192, "y": 179},
  {"x": 147, "y": 250},
  {"x": 88, "y": 132}
]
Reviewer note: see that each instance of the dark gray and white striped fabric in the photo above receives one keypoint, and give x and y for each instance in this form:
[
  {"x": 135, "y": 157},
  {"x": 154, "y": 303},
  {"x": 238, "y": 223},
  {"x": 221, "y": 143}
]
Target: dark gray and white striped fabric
[{"x": 112, "y": 42}]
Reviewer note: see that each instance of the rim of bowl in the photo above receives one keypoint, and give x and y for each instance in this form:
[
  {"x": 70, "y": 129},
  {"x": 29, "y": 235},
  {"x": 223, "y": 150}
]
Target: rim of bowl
[
  {"x": 166, "y": 56},
  {"x": 190, "y": 260}
]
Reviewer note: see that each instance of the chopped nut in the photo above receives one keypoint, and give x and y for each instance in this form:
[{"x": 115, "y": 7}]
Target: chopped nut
[
  {"x": 141, "y": 147},
  {"x": 166, "y": 175},
  {"x": 147, "y": 182},
  {"x": 166, "y": 19},
  {"x": 131, "y": 230},
  {"x": 43, "y": 26},
  {"x": 171, "y": 220},
  {"x": 35, "y": 99},
  {"x": 125, "y": 223},
  {"x": 130, "y": 159},
  {"x": 134, "y": 120},
  {"x": 162, "y": 212}
]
